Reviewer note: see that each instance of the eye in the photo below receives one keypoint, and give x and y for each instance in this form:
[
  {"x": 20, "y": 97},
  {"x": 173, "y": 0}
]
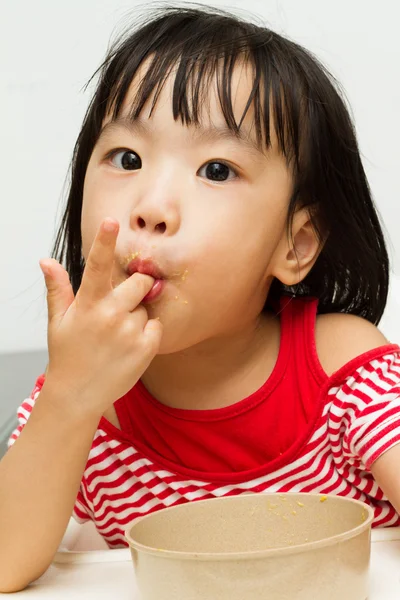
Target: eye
[
  {"x": 218, "y": 171},
  {"x": 128, "y": 160},
  {"x": 125, "y": 159}
]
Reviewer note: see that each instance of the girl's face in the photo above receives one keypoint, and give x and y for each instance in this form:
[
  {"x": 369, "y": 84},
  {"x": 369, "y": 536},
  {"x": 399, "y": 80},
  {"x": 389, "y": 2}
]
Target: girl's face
[{"x": 209, "y": 211}]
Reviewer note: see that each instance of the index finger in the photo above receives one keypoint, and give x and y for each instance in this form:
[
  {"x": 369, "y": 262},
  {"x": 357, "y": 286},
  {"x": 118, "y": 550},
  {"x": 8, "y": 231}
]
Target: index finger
[{"x": 96, "y": 279}]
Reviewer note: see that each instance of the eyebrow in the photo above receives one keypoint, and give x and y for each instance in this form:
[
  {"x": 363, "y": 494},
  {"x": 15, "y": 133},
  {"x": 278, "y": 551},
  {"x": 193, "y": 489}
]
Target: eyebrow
[{"x": 199, "y": 134}]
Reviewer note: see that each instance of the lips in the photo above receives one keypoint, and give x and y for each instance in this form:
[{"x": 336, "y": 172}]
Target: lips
[{"x": 145, "y": 266}]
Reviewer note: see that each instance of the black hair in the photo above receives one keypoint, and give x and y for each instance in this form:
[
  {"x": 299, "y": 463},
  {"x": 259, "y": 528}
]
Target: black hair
[{"x": 311, "y": 120}]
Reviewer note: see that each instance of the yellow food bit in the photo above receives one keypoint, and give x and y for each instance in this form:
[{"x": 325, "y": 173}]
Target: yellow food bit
[
  {"x": 323, "y": 498},
  {"x": 300, "y": 503},
  {"x": 132, "y": 257},
  {"x": 294, "y": 512}
]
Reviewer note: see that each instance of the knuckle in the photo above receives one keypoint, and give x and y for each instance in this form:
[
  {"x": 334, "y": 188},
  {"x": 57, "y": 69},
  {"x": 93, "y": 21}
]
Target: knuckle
[
  {"x": 110, "y": 316},
  {"x": 94, "y": 265},
  {"x": 144, "y": 282},
  {"x": 142, "y": 313},
  {"x": 135, "y": 324},
  {"x": 150, "y": 346}
]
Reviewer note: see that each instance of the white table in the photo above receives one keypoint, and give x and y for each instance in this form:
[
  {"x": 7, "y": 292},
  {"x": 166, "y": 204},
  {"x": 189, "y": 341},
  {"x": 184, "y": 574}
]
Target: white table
[{"x": 86, "y": 570}]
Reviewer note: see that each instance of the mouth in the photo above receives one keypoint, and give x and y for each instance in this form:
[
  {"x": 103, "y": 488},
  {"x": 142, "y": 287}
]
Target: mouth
[{"x": 147, "y": 267}]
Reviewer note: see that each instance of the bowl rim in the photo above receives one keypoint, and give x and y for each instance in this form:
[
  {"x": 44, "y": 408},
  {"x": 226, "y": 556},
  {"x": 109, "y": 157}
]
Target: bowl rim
[{"x": 254, "y": 554}]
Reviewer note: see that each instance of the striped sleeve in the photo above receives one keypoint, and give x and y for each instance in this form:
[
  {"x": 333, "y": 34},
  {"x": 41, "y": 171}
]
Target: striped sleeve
[
  {"x": 24, "y": 411},
  {"x": 365, "y": 413},
  {"x": 81, "y": 511}
]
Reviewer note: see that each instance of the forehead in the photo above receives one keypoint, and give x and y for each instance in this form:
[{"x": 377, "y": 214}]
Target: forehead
[{"x": 211, "y": 124}]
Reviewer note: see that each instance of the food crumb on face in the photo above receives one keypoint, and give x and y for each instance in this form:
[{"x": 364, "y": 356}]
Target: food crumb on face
[
  {"x": 300, "y": 503},
  {"x": 323, "y": 498},
  {"x": 294, "y": 512}
]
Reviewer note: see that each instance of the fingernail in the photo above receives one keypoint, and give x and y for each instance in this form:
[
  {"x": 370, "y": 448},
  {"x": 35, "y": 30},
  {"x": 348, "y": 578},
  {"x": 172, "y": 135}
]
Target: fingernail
[
  {"x": 109, "y": 225},
  {"x": 45, "y": 267}
]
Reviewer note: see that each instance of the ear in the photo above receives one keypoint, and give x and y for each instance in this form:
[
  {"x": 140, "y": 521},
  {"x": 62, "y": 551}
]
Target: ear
[{"x": 291, "y": 263}]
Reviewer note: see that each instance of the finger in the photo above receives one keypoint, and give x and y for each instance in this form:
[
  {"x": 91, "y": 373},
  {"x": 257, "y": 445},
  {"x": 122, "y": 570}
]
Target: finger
[
  {"x": 153, "y": 333},
  {"x": 131, "y": 292},
  {"x": 96, "y": 278},
  {"x": 60, "y": 294}
]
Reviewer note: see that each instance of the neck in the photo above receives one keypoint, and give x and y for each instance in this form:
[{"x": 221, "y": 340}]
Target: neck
[{"x": 216, "y": 372}]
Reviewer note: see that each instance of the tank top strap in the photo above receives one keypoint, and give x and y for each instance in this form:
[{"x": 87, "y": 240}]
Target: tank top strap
[{"x": 298, "y": 319}]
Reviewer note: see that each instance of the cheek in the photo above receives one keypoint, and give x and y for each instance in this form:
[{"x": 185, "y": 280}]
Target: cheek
[
  {"x": 89, "y": 227},
  {"x": 227, "y": 269}
]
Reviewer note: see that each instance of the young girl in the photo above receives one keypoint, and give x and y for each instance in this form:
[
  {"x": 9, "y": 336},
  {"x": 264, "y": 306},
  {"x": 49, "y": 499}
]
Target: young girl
[{"x": 214, "y": 331}]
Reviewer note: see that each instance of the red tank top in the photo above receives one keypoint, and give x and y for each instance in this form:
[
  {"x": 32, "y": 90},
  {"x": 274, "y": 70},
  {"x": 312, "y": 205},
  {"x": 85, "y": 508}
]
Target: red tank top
[{"x": 249, "y": 433}]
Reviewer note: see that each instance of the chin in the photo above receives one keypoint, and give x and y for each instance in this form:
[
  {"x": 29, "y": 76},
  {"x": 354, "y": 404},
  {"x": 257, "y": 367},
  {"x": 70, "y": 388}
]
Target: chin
[
  {"x": 175, "y": 339},
  {"x": 172, "y": 346}
]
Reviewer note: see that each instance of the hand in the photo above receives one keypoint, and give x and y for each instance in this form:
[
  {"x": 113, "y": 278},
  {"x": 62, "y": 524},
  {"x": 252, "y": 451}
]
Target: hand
[{"x": 101, "y": 341}]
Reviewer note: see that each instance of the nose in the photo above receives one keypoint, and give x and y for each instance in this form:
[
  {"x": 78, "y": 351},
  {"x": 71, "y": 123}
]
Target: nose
[
  {"x": 159, "y": 227},
  {"x": 157, "y": 214}
]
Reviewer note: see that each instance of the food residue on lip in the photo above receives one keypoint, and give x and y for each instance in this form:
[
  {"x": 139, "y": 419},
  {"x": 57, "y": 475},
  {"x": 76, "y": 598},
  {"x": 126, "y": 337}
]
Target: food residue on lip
[
  {"x": 131, "y": 257},
  {"x": 323, "y": 498}
]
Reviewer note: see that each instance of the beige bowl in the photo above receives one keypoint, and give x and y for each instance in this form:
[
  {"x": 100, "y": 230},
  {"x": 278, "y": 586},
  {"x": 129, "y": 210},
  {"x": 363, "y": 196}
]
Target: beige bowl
[{"x": 254, "y": 547}]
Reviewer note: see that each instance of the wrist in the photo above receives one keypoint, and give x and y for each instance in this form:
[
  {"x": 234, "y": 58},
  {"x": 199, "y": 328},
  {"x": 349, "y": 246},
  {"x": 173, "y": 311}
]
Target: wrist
[{"x": 68, "y": 404}]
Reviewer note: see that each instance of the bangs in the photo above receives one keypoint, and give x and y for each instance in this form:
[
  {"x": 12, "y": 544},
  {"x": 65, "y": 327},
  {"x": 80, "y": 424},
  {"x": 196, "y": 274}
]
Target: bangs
[{"x": 199, "y": 57}]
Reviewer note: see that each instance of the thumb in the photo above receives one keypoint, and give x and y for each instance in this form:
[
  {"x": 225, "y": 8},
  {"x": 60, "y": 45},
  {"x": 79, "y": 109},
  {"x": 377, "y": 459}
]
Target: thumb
[{"x": 60, "y": 294}]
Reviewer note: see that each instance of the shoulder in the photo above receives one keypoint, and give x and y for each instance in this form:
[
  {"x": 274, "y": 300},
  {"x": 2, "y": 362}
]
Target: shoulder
[{"x": 340, "y": 337}]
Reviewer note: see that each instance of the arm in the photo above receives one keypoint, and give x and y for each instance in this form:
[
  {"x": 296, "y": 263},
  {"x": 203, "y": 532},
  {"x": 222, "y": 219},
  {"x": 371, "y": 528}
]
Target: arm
[
  {"x": 100, "y": 343},
  {"x": 386, "y": 472},
  {"x": 39, "y": 481}
]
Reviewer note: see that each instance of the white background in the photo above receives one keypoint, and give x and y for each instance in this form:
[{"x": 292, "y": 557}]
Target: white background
[{"x": 49, "y": 49}]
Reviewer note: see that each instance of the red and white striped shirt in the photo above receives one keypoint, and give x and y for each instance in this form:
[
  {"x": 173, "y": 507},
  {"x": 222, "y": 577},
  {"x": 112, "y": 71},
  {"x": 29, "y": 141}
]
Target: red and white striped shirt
[{"x": 302, "y": 431}]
